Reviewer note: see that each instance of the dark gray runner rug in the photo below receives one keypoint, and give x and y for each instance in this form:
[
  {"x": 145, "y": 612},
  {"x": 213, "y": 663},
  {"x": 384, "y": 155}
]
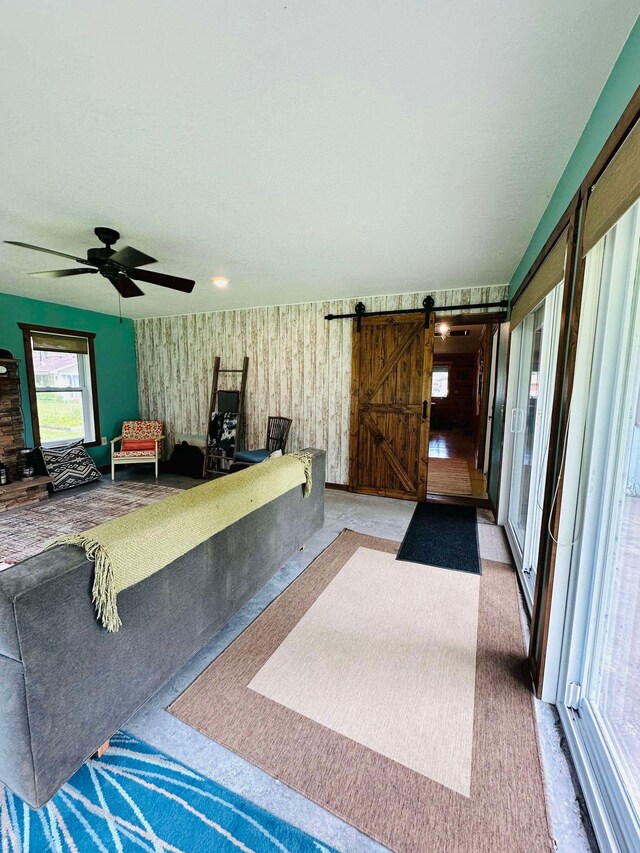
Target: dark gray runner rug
[{"x": 442, "y": 535}]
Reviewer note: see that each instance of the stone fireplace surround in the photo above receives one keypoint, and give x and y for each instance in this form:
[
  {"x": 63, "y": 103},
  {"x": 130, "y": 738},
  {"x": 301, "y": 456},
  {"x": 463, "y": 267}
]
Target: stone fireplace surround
[{"x": 17, "y": 492}]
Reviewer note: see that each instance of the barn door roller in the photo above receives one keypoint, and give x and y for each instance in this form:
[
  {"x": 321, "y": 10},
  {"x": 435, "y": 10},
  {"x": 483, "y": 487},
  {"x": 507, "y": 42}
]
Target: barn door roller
[{"x": 428, "y": 304}]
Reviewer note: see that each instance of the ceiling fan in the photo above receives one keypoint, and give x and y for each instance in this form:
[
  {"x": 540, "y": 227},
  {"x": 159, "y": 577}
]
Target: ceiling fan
[{"x": 120, "y": 266}]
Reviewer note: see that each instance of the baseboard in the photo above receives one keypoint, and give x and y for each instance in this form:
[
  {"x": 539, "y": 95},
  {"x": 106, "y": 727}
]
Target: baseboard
[{"x": 459, "y": 500}]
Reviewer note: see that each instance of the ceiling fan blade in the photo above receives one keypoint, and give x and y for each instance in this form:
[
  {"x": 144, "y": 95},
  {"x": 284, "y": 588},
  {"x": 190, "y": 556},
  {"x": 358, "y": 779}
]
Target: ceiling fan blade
[
  {"x": 62, "y": 273},
  {"x": 130, "y": 257},
  {"x": 48, "y": 251},
  {"x": 125, "y": 287},
  {"x": 183, "y": 284}
]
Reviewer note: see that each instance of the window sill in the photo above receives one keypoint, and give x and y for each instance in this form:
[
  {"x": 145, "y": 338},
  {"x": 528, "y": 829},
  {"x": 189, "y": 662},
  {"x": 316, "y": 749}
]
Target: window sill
[{"x": 48, "y": 444}]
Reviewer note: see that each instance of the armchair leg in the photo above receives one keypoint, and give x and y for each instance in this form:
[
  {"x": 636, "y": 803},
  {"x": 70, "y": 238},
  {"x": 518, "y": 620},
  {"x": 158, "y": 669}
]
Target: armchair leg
[
  {"x": 156, "y": 466},
  {"x": 113, "y": 470}
]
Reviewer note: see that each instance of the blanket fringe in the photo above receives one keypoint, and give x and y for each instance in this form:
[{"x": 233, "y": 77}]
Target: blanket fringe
[
  {"x": 103, "y": 593},
  {"x": 307, "y": 464}
]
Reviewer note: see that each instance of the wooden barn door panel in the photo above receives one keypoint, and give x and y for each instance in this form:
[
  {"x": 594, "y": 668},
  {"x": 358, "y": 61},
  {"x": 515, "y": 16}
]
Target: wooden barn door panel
[{"x": 389, "y": 442}]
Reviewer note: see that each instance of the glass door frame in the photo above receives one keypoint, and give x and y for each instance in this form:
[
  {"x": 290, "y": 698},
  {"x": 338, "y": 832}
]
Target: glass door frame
[
  {"x": 523, "y": 371},
  {"x": 526, "y": 557},
  {"x": 595, "y": 517}
]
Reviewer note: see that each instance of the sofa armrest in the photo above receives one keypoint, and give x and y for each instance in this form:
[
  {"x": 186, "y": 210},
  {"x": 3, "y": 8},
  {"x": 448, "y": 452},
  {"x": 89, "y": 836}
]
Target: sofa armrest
[{"x": 113, "y": 440}]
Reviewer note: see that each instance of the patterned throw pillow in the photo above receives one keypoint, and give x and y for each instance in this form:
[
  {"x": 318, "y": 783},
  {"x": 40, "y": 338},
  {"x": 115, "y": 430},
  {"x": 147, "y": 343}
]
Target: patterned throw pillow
[{"x": 69, "y": 466}]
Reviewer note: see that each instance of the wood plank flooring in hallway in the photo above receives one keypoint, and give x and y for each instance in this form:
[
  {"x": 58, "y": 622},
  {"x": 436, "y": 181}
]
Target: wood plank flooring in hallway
[{"x": 455, "y": 447}]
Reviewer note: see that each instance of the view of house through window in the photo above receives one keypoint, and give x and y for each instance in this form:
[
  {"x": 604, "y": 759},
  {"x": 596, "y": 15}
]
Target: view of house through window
[
  {"x": 440, "y": 381},
  {"x": 62, "y": 388}
]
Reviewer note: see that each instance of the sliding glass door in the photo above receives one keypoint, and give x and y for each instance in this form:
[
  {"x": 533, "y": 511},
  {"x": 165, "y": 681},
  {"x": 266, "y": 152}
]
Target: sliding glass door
[
  {"x": 600, "y": 676},
  {"x": 534, "y": 347},
  {"x": 523, "y": 422}
]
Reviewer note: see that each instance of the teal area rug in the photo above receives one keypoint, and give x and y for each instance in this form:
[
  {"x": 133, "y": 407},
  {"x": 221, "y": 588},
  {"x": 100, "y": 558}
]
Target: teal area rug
[{"x": 135, "y": 798}]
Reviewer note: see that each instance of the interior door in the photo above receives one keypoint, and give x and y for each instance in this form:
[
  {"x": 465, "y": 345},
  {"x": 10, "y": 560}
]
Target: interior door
[
  {"x": 391, "y": 405},
  {"x": 495, "y": 337},
  {"x": 483, "y": 380}
]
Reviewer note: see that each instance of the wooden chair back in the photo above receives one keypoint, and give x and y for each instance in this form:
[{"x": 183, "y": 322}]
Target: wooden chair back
[{"x": 277, "y": 433}]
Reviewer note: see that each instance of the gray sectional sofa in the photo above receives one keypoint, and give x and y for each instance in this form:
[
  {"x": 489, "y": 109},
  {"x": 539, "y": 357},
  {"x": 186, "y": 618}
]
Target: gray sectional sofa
[{"x": 67, "y": 685}]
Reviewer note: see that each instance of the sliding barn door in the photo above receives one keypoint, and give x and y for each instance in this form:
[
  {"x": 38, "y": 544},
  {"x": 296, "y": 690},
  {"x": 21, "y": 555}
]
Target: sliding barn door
[{"x": 391, "y": 406}]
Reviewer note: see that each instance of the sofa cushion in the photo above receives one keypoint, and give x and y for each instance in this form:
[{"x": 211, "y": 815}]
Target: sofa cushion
[
  {"x": 252, "y": 455},
  {"x": 69, "y": 466},
  {"x": 134, "y": 454}
]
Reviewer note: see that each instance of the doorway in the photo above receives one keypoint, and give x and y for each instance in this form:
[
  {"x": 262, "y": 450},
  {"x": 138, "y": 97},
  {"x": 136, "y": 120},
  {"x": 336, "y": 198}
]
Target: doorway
[
  {"x": 421, "y": 406},
  {"x": 462, "y": 390}
]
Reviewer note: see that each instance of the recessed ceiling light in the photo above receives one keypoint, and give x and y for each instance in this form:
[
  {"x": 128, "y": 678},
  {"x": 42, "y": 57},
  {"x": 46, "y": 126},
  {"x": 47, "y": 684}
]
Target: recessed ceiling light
[{"x": 220, "y": 281}]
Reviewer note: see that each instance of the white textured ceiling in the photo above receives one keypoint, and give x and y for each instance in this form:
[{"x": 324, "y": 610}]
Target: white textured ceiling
[{"x": 307, "y": 150}]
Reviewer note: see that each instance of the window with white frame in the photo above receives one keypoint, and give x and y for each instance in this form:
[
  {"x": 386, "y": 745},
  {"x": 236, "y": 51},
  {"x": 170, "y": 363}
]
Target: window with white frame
[
  {"x": 61, "y": 386},
  {"x": 440, "y": 380}
]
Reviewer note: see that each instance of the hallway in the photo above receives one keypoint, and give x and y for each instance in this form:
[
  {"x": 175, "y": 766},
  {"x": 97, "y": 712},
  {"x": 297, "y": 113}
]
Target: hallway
[{"x": 452, "y": 469}]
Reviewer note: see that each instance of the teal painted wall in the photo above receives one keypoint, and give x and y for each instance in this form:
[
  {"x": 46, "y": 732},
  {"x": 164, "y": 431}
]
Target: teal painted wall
[
  {"x": 114, "y": 351},
  {"x": 616, "y": 94}
]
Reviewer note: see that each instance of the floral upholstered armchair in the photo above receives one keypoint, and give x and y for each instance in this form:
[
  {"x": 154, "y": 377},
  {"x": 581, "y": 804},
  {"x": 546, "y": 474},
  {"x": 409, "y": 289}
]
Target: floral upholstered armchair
[{"x": 140, "y": 442}]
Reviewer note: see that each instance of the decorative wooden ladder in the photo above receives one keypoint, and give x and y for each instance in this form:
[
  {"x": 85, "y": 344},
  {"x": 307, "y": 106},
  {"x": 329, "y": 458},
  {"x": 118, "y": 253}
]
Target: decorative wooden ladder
[{"x": 213, "y": 462}]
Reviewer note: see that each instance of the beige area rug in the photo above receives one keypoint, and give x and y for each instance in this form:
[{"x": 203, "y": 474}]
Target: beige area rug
[
  {"x": 364, "y": 662},
  {"x": 493, "y": 543},
  {"x": 258, "y": 700},
  {"x": 449, "y": 477},
  {"x": 26, "y": 531}
]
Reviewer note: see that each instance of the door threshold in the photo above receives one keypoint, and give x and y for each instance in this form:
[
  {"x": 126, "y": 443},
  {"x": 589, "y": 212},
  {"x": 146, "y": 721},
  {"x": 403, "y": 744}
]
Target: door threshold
[{"x": 458, "y": 500}]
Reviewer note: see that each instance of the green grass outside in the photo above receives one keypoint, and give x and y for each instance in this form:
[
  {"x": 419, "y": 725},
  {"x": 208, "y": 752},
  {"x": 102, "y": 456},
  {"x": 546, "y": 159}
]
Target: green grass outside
[{"x": 60, "y": 416}]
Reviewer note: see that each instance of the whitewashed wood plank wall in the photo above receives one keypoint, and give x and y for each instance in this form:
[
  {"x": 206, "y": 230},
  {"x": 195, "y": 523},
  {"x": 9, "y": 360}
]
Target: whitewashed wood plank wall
[{"x": 299, "y": 367}]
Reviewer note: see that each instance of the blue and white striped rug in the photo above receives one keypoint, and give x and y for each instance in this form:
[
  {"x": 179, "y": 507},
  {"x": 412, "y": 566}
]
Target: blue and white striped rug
[{"x": 135, "y": 798}]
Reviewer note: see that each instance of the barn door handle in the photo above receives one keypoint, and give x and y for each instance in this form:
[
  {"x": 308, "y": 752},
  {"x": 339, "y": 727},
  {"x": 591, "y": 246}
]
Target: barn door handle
[{"x": 424, "y": 410}]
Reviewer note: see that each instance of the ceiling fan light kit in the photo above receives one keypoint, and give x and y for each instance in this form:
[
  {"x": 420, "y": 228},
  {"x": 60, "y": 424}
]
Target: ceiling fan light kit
[{"x": 120, "y": 266}]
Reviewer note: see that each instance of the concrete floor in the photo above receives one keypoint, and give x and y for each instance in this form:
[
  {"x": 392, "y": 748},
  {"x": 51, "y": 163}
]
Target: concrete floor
[{"x": 380, "y": 517}]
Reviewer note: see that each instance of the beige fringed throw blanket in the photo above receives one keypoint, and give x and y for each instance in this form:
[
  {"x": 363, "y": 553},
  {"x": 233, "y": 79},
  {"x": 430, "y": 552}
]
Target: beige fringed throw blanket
[{"x": 129, "y": 549}]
